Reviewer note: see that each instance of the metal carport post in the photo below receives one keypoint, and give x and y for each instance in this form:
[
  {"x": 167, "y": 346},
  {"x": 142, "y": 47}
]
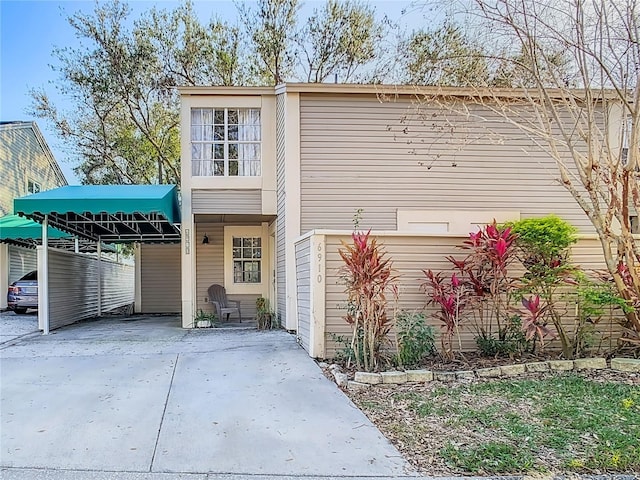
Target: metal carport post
[{"x": 43, "y": 279}]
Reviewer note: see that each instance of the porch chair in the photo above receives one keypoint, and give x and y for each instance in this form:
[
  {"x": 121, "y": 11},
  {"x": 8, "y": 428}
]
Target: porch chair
[{"x": 218, "y": 297}]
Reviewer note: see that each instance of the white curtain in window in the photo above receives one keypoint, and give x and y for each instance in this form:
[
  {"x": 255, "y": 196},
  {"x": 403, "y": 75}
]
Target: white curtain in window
[{"x": 249, "y": 136}]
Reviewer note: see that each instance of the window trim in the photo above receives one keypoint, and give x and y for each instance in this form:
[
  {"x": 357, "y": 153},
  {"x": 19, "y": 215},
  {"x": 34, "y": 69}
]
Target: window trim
[
  {"x": 225, "y": 142},
  {"x": 33, "y": 182},
  {"x": 244, "y": 288},
  {"x": 626, "y": 136}
]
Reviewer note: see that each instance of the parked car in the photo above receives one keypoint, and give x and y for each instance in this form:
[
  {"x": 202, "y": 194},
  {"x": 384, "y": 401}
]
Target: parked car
[{"x": 23, "y": 293}]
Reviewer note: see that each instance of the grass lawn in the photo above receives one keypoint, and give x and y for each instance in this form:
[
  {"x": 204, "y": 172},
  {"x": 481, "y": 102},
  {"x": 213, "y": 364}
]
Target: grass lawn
[{"x": 548, "y": 424}]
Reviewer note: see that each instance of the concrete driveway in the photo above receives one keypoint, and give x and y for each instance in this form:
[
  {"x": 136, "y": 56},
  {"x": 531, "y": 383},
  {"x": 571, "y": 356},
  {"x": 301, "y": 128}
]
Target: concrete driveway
[
  {"x": 13, "y": 326},
  {"x": 143, "y": 396}
]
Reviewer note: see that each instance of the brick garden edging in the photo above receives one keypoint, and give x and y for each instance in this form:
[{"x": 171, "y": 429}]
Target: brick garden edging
[{"x": 365, "y": 380}]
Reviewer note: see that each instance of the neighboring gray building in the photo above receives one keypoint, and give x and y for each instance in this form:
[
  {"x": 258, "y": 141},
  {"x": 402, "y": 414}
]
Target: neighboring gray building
[
  {"x": 26, "y": 166},
  {"x": 26, "y": 163}
]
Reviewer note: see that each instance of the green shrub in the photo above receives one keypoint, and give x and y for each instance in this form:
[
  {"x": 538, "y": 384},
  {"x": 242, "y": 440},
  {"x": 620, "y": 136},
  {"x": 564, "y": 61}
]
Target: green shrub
[
  {"x": 416, "y": 339},
  {"x": 510, "y": 343},
  {"x": 345, "y": 354},
  {"x": 544, "y": 241},
  {"x": 543, "y": 246}
]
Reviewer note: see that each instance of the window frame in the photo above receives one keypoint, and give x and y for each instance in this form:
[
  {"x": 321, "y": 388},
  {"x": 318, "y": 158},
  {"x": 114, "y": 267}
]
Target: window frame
[
  {"x": 246, "y": 249},
  {"x": 30, "y": 182},
  {"x": 257, "y": 288},
  {"x": 626, "y": 136},
  {"x": 209, "y": 137}
]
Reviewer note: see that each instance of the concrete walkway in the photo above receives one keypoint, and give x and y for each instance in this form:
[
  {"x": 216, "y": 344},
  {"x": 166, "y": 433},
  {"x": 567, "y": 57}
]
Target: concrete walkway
[{"x": 141, "y": 398}]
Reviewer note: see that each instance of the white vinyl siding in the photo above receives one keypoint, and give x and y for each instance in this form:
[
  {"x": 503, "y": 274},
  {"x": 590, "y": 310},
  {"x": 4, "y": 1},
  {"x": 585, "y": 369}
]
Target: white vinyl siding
[
  {"x": 24, "y": 157},
  {"x": 355, "y": 154},
  {"x": 281, "y": 302},
  {"x": 227, "y": 201},
  {"x": 303, "y": 291},
  {"x": 160, "y": 278},
  {"x": 118, "y": 285}
]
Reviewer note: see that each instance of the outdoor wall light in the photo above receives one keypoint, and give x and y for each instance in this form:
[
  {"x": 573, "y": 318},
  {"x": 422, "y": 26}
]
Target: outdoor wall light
[{"x": 205, "y": 239}]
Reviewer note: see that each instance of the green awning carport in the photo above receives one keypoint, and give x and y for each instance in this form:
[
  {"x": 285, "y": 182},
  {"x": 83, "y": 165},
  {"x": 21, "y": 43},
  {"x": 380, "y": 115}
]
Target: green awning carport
[
  {"x": 109, "y": 213},
  {"x": 20, "y": 230},
  {"x": 100, "y": 213},
  {"x": 17, "y": 230}
]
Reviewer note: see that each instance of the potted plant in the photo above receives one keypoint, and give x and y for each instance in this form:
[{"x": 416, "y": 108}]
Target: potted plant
[
  {"x": 205, "y": 320},
  {"x": 265, "y": 317}
]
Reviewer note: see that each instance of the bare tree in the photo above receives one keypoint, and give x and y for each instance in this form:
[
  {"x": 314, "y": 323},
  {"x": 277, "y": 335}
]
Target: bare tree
[
  {"x": 192, "y": 52},
  {"x": 583, "y": 110}
]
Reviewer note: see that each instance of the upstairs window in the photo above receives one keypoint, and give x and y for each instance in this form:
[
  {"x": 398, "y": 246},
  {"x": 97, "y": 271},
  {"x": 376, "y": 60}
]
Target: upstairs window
[
  {"x": 225, "y": 142},
  {"x": 33, "y": 187}
]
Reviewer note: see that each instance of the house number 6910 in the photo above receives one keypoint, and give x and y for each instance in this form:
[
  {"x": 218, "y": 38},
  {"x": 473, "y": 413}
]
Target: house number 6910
[{"x": 319, "y": 278}]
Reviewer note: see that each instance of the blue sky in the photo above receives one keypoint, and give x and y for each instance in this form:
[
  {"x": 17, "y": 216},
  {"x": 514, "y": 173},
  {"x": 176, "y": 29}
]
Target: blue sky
[{"x": 30, "y": 29}]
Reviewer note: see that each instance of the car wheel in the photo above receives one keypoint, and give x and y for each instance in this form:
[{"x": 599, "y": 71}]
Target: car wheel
[{"x": 20, "y": 311}]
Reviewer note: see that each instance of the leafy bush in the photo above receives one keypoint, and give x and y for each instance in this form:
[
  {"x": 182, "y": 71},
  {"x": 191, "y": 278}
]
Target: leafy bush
[
  {"x": 416, "y": 339},
  {"x": 543, "y": 241},
  {"x": 595, "y": 299},
  {"x": 344, "y": 351},
  {"x": 543, "y": 248},
  {"x": 511, "y": 343}
]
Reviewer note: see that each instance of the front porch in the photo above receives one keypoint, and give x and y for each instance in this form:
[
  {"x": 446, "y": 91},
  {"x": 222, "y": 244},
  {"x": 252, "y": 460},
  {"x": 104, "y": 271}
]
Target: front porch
[{"x": 236, "y": 252}]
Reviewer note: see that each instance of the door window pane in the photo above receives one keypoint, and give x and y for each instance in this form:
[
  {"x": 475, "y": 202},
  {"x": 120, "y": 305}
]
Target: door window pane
[{"x": 247, "y": 255}]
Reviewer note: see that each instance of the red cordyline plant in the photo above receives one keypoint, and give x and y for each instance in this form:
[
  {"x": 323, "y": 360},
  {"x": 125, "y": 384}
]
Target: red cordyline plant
[
  {"x": 533, "y": 323},
  {"x": 448, "y": 295},
  {"x": 368, "y": 277},
  {"x": 484, "y": 273}
]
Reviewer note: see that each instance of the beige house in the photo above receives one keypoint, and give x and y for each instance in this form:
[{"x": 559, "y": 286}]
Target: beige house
[
  {"x": 272, "y": 179},
  {"x": 26, "y": 166}
]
